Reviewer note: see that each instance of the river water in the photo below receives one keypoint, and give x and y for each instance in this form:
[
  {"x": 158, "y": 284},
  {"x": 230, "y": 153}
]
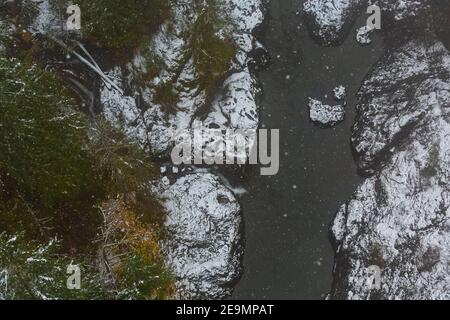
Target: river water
[{"x": 288, "y": 254}]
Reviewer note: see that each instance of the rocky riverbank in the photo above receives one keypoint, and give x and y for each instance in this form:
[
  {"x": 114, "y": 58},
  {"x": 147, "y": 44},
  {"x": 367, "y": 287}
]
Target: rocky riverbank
[{"x": 398, "y": 219}]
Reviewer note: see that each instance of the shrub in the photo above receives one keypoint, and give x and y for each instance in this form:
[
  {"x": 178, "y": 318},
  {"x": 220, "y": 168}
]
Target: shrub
[
  {"x": 167, "y": 96},
  {"x": 131, "y": 251}
]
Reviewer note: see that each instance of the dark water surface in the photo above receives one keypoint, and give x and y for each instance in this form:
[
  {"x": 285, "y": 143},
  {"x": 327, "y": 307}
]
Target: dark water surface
[{"x": 288, "y": 253}]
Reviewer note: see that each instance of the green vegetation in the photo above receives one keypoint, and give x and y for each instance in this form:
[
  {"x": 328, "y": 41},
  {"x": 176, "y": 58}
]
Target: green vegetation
[
  {"x": 47, "y": 175},
  {"x": 212, "y": 53},
  {"x": 118, "y": 23},
  {"x": 167, "y": 96},
  {"x": 151, "y": 67},
  {"x": 74, "y": 189},
  {"x": 58, "y": 175},
  {"x": 140, "y": 274},
  {"x": 33, "y": 271}
]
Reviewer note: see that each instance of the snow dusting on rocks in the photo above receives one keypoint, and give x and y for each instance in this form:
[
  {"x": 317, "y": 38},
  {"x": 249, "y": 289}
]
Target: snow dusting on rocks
[
  {"x": 204, "y": 247},
  {"x": 329, "y": 21},
  {"x": 340, "y": 93},
  {"x": 325, "y": 115},
  {"x": 398, "y": 219},
  {"x": 234, "y": 107},
  {"x": 363, "y": 35},
  {"x": 204, "y": 220}
]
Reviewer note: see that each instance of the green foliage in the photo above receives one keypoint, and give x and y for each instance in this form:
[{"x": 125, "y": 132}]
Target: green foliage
[
  {"x": 57, "y": 170},
  {"x": 119, "y": 23},
  {"x": 38, "y": 122},
  {"x": 44, "y": 166},
  {"x": 211, "y": 51},
  {"x": 31, "y": 271},
  {"x": 126, "y": 170},
  {"x": 167, "y": 96},
  {"x": 131, "y": 250},
  {"x": 143, "y": 278},
  {"x": 126, "y": 165},
  {"x": 151, "y": 67}
]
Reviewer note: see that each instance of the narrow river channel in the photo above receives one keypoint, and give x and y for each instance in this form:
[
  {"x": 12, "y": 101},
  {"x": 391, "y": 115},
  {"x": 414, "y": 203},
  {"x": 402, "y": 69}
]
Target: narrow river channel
[{"x": 288, "y": 254}]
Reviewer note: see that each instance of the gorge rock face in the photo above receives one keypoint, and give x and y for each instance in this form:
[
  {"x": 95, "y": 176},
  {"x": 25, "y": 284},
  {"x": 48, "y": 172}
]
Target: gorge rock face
[
  {"x": 405, "y": 89},
  {"x": 398, "y": 219},
  {"x": 404, "y": 9},
  {"x": 204, "y": 246},
  {"x": 204, "y": 221}
]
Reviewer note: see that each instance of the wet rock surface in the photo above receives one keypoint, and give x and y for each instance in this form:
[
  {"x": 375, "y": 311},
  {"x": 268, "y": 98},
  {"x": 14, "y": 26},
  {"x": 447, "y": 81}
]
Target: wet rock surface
[
  {"x": 403, "y": 91},
  {"x": 204, "y": 246}
]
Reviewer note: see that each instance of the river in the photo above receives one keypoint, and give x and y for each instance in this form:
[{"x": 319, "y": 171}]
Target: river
[{"x": 288, "y": 254}]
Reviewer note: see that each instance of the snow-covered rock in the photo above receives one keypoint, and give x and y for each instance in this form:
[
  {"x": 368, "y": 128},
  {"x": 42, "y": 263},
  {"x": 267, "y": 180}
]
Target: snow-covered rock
[
  {"x": 363, "y": 35},
  {"x": 399, "y": 219},
  {"x": 204, "y": 246},
  {"x": 407, "y": 87},
  {"x": 329, "y": 21},
  {"x": 234, "y": 107},
  {"x": 325, "y": 115},
  {"x": 340, "y": 93},
  {"x": 404, "y": 9},
  {"x": 204, "y": 220}
]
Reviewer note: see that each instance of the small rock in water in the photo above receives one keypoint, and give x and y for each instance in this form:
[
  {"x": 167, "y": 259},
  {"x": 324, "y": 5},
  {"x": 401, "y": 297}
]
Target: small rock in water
[
  {"x": 363, "y": 35},
  {"x": 340, "y": 93},
  {"x": 325, "y": 115}
]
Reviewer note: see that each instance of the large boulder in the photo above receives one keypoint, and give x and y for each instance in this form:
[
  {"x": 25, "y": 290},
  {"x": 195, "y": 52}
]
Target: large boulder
[{"x": 203, "y": 246}]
